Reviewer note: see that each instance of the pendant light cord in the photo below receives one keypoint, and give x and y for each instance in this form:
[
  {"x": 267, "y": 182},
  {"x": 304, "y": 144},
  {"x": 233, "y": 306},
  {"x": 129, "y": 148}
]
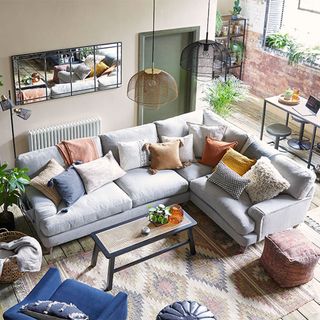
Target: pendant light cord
[
  {"x": 207, "y": 34},
  {"x": 153, "y": 34}
]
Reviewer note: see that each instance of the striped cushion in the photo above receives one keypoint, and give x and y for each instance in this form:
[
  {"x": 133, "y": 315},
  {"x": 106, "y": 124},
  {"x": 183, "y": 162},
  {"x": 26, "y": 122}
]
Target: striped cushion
[{"x": 228, "y": 180}]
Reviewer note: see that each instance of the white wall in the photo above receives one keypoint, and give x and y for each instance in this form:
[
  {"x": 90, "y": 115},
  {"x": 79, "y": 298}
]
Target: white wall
[{"x": 39, "y": 25}]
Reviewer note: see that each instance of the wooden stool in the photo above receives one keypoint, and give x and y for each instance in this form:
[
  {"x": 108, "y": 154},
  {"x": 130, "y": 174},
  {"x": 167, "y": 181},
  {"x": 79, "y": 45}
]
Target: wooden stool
[
  {"x": 279, "y": 131},
  {"x": 289, "y": 258}
]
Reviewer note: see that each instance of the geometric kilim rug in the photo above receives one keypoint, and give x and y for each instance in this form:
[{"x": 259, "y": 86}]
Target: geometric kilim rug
[{"x": 232, "y": 285}]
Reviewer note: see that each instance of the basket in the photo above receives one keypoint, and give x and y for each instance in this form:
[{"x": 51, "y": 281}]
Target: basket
[{"x": 10, "y": 271}]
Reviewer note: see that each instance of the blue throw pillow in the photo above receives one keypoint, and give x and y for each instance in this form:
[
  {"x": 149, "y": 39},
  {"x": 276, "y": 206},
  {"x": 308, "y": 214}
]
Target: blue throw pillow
[
  {"x": 69, "y": 186},
  {"x": 52, "y": 310}
]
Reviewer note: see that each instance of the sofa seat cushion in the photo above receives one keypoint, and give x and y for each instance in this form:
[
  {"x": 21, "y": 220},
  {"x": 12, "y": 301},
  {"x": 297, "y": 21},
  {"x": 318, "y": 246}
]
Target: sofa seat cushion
[
  {"x": 143, "y": 187},
  {"x": 99, "y": 204},
  {"x": 233, "y": 211},
  {"x": 194, "y": 171}
]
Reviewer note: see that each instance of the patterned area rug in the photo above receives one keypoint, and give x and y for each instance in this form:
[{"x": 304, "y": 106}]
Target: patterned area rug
[{"x": 232, "y": 285}]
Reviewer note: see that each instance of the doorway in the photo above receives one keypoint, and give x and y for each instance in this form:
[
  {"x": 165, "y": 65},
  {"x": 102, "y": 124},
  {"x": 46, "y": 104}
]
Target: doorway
[{"x": 168, "y": 47}]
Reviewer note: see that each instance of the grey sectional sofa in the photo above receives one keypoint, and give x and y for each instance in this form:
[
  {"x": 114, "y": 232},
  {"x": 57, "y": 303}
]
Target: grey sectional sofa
[{"x": 129, "y": 196}]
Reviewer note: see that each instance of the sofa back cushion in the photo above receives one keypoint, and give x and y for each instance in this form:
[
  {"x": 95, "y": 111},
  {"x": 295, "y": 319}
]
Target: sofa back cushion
[
  {"x": 232, "y": 132},
  {"x": 110, "y": 140},
  {"x": 36, "y": 160},
  {"x": 300, "y": 178},
  {"x": 177, "y": 126}
]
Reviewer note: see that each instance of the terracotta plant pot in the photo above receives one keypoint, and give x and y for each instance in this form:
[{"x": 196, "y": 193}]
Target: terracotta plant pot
[{"x": 7, "y": 220}]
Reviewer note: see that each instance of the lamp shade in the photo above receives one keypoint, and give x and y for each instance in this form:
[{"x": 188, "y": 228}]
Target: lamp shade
[
  {"x": 152, "y": 88},
  {"x": 205, "y": 58}
]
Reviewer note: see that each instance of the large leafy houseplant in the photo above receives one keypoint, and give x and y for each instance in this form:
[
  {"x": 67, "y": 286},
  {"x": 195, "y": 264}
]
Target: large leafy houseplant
[
  {"x": 222, "y": 94},
  {"x": 12, "y": 188}
]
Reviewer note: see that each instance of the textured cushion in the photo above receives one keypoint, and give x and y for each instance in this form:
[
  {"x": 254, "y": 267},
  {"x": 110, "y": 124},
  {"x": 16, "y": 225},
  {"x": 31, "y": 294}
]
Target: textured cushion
[
  {"x": 301, "y": 179},
  {"x": 52, "y": 310},
  {"x": 100, "y": 68},
  {"x": 90, "y": 59},
  {"x": 237, "y": 162},
  {"x": 194, "y": 171},
  {"x": 69, "y": 186},
  {"x": 97, "y": 173},
  {"x": 111, "y": 139},
  {"x": 82, "y": 71},
  {"x": 177, "y": 126},
  {"x": 232, "y": 133},
  {"x": 165, "y": 155},
  {"x": 186, "y": 150},
  {"x": 289, "y": 258},
  {"x": 133, "y": 155},
  {"x": 200, "y": 132},
  {"x": 99, "y": 204},
  {"x": 142, "y": 187},
  {"x": 40, "y": 182},
  {"x": 233, "y": 211},
  {"x": 214, "y": 151},
  {"x": 266, "y": 182},
  {"x": 228, "y": 180}
]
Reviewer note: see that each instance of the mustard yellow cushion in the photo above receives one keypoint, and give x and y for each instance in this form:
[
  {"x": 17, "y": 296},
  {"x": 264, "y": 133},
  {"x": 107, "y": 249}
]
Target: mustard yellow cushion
[
  {"x": 237, "y": 162},
  {"x": 100, "y": 68}
]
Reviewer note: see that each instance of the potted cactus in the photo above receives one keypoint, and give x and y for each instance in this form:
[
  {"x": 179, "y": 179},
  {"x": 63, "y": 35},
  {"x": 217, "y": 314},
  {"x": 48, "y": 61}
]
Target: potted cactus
[{"x": 236, "y": 9}]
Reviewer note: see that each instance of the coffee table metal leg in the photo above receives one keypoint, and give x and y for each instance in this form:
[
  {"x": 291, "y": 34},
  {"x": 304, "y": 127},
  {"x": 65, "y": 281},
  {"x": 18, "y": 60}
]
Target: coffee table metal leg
[
  {"x": 110, "y": 274},
  {"x": 94, "y": 255},
  {"x": 191, "y": 242}
]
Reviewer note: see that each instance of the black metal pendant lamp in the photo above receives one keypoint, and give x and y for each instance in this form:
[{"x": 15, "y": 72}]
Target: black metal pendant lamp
[
  {"x": 152, "y": 87},
  {"x": 206, "y": 59}
]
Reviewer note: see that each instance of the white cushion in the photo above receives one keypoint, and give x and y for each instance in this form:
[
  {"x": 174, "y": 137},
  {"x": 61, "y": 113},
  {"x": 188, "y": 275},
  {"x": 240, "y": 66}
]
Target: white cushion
[
  {"x": 97, "y": 173},
  {"x": 186, "y": 151},
  {"x": 132, "y": 154},
  {"x": 266, "y": 182},
  {"x": 200, "y": 132}
]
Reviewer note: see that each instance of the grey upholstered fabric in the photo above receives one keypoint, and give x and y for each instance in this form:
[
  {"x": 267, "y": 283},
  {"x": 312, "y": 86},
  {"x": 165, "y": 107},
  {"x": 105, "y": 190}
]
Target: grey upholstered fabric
[
  {"x": 194, "y": 171},
  {"x": 143, "y": 187},
  {"x": 36, "y": 160},
  {"x": 228, "y": 180},
  {"x": 257, "y": 149},
  {"x": 232, "y": 133},
  {"x": 277, "y": 214},
  {"x": 231, "y": 210},
  {"x": 110, "y": 140},
  {"x": 301, "y": 179},
  {"x": 104, "y": 202},
  {"x": 177, "y": 126}
]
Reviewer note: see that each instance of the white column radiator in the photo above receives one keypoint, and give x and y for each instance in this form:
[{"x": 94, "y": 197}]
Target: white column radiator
[{"x": 47, "y": 137}]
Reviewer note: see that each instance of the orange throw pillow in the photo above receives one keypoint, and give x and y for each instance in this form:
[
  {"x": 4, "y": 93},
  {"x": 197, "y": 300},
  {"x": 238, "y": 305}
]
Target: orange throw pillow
[{"x": 214, "y": 150}]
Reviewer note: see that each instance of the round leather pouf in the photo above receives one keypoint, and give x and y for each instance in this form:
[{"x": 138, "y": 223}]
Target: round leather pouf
[{"x": 185, "y": 310}]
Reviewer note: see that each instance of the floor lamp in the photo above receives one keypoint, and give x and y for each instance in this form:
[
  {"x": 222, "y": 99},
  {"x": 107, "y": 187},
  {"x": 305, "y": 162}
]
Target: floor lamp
[{"x": 7, "y": 104}]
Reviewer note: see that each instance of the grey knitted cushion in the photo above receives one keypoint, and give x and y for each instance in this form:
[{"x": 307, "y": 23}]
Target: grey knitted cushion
[
  {"x": 228, "y": 180},
  {"x": 185, "y": 310}
]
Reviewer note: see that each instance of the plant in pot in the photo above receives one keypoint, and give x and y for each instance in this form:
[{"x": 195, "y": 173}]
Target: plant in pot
[
  {"x": 221, "y": 94},
  {"x": 237, "y": 49},
  {"x": 159, "y": 215},
  {"x": 236, "y": 9},
  {"x": 219, "y": 23},
  {"x": 12, "y": 188}
]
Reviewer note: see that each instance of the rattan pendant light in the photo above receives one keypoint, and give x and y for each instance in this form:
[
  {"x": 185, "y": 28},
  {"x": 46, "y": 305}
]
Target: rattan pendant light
[
  {"x": 206, "y": 59},
  {"x": 152, "y": 87}
]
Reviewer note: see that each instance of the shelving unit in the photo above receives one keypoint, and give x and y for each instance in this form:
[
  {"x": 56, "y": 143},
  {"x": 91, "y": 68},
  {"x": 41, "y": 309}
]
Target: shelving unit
[{"x": 233, "y": 36}]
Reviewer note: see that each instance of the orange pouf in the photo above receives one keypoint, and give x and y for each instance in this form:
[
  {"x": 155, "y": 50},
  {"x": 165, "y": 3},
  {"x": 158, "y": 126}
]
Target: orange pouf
[{"x": 289, "y": 258}]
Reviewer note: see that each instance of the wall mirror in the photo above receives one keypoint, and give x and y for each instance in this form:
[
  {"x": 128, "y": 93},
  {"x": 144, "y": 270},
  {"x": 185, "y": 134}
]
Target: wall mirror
[{"x": 66, "y": 72}]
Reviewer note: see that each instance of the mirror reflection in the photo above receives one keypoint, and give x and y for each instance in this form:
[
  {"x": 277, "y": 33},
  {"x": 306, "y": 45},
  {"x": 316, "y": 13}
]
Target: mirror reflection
[{"x": 66, "y": 72}]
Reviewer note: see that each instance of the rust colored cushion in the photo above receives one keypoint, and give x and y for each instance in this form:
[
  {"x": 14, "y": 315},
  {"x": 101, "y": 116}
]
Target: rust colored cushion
[
  {"x": 214, "y": 150},
  {"x": 289, "y": 258},
  {"x": 165, "y": 155}
]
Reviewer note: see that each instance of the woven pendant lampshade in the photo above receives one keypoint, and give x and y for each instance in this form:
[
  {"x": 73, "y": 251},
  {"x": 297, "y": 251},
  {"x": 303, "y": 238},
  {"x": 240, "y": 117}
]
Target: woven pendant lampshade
[
  {"x": 206, "y": 59},
  {"x": 152, "y": 87}
]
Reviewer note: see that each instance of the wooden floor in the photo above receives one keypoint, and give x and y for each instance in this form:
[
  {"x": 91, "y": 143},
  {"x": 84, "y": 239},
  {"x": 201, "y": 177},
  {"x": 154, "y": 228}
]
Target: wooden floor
[{"x": 248, "y": 117}]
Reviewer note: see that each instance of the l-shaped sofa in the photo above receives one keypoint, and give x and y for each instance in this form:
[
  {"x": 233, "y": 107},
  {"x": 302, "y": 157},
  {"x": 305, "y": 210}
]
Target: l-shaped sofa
[{"x": 129, "y": 196}]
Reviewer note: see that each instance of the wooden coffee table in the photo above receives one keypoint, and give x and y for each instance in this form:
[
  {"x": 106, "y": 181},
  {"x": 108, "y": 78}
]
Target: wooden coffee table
[{"x": 125, "y": 237}]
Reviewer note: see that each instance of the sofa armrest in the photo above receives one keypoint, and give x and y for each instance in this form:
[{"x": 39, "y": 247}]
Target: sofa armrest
[
  {"x": 117, "y": 309},
  {"x": 277, "y": 214}
]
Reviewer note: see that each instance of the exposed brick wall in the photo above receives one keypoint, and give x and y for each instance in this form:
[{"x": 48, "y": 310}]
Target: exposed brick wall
[{"x": 270, "y": 74}]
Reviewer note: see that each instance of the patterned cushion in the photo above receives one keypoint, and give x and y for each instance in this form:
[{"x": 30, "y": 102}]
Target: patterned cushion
[
  {"x": 228, "y": 180},
  {"x": 132, "y": 154},
  {"x": 266, "y": 182},
  {"x": 53, "y": 310}
]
